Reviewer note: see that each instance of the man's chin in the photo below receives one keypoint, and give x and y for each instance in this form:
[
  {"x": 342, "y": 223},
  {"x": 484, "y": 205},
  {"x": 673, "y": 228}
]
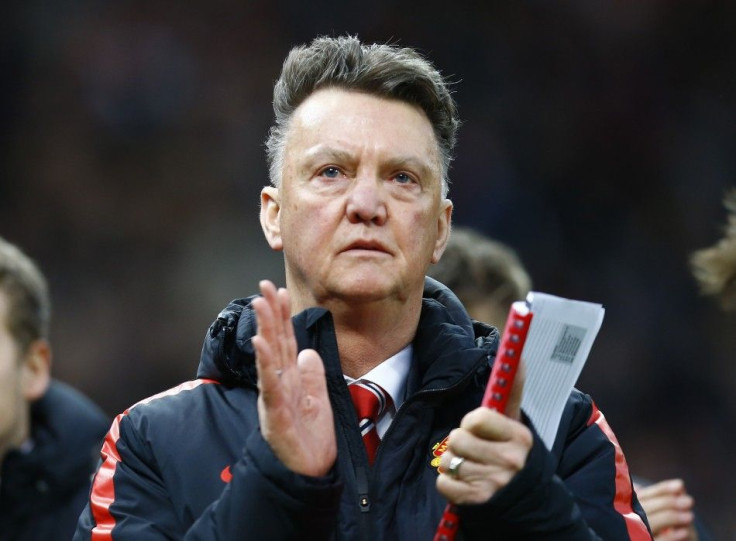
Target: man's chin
[
  {"x": 363, "y": 293},
  {"x": 369, "y": 290}
]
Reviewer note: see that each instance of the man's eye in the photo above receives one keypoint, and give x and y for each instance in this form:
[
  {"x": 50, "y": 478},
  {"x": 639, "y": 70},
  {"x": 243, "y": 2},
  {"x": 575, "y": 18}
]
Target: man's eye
[
  {"x": 330, "y": 172},
  {"x": 403, "y": 178}
]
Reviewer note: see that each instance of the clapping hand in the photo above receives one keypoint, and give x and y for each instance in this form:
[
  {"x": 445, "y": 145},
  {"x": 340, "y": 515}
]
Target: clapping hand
[{"x": 293, "y": 405}]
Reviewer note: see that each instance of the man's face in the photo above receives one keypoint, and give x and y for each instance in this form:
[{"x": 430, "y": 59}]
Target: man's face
[
  {"x": 13, "y": 406},
  {"x": 359, "y": 214}
]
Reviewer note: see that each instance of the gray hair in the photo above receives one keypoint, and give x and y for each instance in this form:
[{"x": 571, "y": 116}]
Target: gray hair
[
  {"x": 383, "y": 70},
  {"x": 29, "y": 305}
]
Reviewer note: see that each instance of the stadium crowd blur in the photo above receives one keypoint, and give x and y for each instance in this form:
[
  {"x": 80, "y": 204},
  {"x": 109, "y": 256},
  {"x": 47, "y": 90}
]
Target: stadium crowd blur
[{"x": 598, "y": 140}]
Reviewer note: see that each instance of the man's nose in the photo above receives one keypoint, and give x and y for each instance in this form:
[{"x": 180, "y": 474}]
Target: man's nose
[{"x": 367, "y": 200}]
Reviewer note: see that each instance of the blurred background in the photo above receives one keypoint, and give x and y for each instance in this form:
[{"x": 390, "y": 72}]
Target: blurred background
[{"x": 598, "y": 140}]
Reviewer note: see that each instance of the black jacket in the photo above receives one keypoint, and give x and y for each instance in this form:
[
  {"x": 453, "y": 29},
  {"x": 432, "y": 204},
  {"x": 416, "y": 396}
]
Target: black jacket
[
  {"x": 43, "y": 491},
  {"x": 191, "y": 463}
]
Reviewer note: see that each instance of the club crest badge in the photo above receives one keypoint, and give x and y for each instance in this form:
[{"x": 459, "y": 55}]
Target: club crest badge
[{"x": 437, "y": 450}]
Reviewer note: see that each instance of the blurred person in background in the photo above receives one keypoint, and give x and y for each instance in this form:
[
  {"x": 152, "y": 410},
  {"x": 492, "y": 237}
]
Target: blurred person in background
[
  {"x": 714, "y": 267},
  {"x": 50, "y": 434},
  {"x": 267, "y": 443},
  {"x": 488, "y": 276}
]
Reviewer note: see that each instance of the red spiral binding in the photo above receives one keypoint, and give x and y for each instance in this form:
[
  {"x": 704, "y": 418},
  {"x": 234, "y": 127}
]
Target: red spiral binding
[{"x": 497, "y": 391}]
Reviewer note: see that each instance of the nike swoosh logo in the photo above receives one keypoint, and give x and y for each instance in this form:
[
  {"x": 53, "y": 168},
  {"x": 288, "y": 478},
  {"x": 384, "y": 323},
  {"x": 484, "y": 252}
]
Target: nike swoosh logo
[{"x": 225, "y": 474}]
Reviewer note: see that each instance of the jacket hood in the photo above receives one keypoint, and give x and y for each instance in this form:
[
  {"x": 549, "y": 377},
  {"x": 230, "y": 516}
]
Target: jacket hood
[{"x": 228, "y": 355}]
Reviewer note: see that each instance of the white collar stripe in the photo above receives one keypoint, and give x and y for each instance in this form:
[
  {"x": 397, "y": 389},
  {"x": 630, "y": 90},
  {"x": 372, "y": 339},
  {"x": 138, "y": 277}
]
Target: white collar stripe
[{"x": 376, "y": 390}]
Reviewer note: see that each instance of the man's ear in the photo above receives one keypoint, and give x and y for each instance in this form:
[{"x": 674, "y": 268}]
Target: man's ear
[
  {"x": 444, "y": 221},
  {"x": 36, "y": 368},
  {"x": 270, "y": 217}
]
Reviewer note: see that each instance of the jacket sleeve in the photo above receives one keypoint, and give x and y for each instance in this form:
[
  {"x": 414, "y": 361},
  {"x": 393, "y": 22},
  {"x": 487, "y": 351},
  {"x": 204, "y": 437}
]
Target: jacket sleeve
[
  {"x": 266, "y": 500},
  {"x": 586, "y": 495},
  {"x": 129, "y": 501}
]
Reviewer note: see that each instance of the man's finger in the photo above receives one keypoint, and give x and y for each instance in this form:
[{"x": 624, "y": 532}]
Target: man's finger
[
  {"x": 288, "y": 340},
  {"x": 669, "y": 486},
  {"x": 669, "y": 518},
  {"x": 488, "y": 424},
  {"x": 312, "y": 371},
  {"x": 681, "y": 502}
]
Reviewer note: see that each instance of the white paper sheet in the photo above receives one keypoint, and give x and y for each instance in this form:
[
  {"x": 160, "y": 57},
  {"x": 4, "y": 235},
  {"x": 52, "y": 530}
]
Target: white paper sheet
[{"x": 560, "y": 337}]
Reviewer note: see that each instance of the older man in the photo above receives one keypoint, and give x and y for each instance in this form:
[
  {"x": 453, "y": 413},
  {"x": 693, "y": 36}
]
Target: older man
[{"x": 323, "y": 410}]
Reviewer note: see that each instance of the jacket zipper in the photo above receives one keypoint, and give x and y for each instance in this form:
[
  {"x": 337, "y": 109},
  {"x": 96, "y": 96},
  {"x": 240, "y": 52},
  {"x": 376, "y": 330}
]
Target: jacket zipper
[{"x": 361, "y": 478}]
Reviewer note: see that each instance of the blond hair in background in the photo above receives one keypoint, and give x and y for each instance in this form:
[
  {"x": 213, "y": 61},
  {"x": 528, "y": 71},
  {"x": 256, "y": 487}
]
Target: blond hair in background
[{"x": 714, "y": 267}]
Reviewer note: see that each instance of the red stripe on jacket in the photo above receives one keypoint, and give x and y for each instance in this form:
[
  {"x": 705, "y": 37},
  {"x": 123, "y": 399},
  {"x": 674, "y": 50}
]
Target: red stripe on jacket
[
  {"x": 103, "y": 488},
  {"x": 622, "y": 502}
]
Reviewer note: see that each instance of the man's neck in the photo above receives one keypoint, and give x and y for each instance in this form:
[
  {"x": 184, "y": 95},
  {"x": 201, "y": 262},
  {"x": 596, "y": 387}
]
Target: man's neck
[
  {"x": 368, "y": 331},
  {"x": 368, "y": 335}
]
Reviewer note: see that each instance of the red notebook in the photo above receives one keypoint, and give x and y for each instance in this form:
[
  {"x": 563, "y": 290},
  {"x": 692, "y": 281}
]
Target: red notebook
[{"x": 498, "y": 389}]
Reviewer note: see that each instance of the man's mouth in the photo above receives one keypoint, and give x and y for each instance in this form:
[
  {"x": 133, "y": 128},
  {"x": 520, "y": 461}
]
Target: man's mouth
[{"x": 366, "y": 245}]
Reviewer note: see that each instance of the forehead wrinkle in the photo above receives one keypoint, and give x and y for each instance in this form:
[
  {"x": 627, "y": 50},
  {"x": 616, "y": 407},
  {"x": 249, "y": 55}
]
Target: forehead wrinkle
[
  {"x": 311, "y": 127},
  {"x": 326, "y": 151}
]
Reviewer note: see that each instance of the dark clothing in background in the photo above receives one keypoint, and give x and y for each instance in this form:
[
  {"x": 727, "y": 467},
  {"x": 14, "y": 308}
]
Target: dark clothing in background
[
  {"x": 43, "y": 490},
  {"x": 191, "y": 463}
]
